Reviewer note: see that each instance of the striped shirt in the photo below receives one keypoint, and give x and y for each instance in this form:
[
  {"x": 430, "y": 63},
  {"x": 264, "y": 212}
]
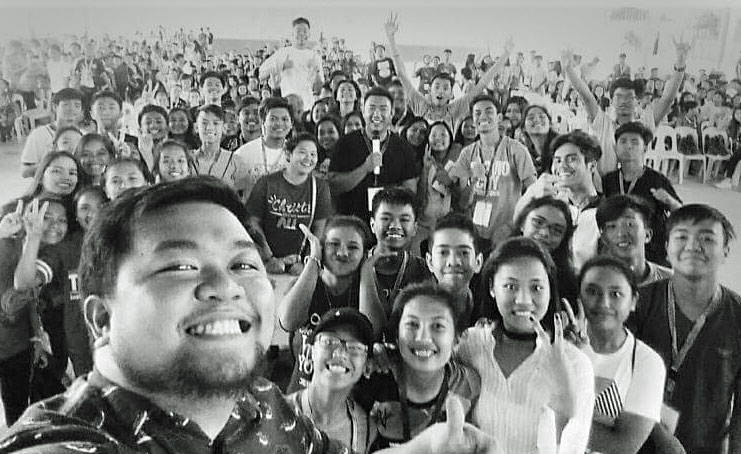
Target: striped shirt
[{"x": 514, "y": 410}]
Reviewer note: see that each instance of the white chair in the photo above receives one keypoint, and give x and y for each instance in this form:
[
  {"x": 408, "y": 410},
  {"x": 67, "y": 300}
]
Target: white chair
[
  {"x": 658, "y": 151},
  {"x": 711, "y": 159},
  {"x": 684, "y": 131}
]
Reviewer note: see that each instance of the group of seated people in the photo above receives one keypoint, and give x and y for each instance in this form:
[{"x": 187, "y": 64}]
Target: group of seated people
[{"x": 458, "y": 287}]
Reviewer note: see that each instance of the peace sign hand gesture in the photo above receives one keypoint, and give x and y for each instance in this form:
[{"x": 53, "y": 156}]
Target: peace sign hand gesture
[
  {"x": 576, "y": 328},
  {"x": 392, "y": 25},
  {"x": 12, "y": 223},
  {"x": 561, "y": 374}
]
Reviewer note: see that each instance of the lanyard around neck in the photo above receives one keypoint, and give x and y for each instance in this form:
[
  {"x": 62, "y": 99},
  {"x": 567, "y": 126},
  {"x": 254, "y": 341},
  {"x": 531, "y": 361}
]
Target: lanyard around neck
[
  {"x": 632, "y": 184},
  {"x": 679, "y": 355}
]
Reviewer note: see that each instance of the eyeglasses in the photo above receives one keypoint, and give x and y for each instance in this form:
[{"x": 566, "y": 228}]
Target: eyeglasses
[
  {"x": 556, "y": 230},
  {"x": 332, "y": 343}
]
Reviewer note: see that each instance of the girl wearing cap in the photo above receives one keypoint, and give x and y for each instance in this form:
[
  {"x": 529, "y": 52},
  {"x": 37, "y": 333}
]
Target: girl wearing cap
[
  {"x": 330, "y": 279},
  {"x": 340, "y": 353},
  {"x": 531, "y": 388},
  {"x": 424, "y": 327}
]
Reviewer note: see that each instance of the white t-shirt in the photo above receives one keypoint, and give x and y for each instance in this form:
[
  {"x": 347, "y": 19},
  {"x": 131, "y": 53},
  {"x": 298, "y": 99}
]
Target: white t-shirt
[
  {"x": 604, "y": 128},
  {"x": 640, "y": 384},
  {"x": 58, "y": 71},
  {"x": 298, "y": 79},
  {"x": 257, "y": 160},
  {"x": 38, "y": 144}
]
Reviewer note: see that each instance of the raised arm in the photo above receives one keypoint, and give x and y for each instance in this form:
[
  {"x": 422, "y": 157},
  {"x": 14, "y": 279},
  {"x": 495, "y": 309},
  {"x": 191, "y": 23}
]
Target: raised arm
[
  {"x": 25, "y": 271},
  {"x": 664, "y": 104},
  {"x": 492, "y": 72},
  {"x": 581, "y": 87},
  {"x": 293, "y": 309},
  {"x": 269, "y": 67},
  {"x": 392, "y": 26}
]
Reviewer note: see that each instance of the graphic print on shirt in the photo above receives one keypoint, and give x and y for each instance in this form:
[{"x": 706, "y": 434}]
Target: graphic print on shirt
[
  {"x": 495, "y": 170},
  {"x": 384, "y": 68},
  {"x": 289, "y": 213}
]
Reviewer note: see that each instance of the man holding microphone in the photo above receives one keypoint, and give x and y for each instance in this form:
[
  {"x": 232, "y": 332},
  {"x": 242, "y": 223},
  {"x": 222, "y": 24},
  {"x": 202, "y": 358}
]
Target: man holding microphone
[{"x": 370, "y": 159}]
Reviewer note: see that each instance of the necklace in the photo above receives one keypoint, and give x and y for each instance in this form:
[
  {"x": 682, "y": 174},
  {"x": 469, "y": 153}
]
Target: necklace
[
  {"x": 518, "y": 336},
  {"x": 328, "y": 296}
]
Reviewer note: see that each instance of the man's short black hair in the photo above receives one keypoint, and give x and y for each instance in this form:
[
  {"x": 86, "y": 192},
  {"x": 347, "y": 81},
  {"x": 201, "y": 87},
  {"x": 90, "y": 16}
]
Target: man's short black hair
[
  {"x": 212, "y": 75},
  {"x": 274, "y": 102},
  {"x": 447, "y": 51},
  {"x": 611, "y": 208},
  {"x": 379, "y": 91},
  {"x": 247, "y": 101},
  {"x": 395, "y": 196},
  {"x": 106, "y": 94},
  {"x": 212, "y": 109},
  {"x": 628, "y": 84},
  {"x": 300, "y": 20},
  {"x": 111, "y": 237},
  {"x": 483, "y": 98},
  {"x": 151, "y": 108},
  {"x": 380, "y": 46},
  {"x": 698, "y": 212},
  {"x": 587, "y": 144},
  {"x": 66, "y": 94},
  {"x": 635, "y": 127},
  {"x": 455, "y": 221},
  {"x": 444, "y": 76}
]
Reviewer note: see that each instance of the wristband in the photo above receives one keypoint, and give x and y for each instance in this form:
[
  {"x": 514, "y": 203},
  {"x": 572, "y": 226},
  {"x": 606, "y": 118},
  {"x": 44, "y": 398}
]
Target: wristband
[
  {"x": 680, "y": 68},
  {"x": 311, "y": 258},
  {"x": 36, "y": 339}
]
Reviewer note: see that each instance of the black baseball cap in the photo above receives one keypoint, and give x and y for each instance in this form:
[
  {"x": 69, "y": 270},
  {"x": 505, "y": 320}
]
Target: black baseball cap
[{"x": 347, "y": 316}]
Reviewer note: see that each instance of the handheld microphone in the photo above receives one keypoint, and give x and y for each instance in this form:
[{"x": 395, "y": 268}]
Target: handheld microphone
[{"x": 376, "y": 149}]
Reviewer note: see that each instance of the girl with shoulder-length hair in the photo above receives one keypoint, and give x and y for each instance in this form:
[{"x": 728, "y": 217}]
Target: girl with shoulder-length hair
[{"x": 536, "y": 393}]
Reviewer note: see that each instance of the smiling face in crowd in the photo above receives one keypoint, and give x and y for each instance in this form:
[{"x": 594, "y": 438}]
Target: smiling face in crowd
[{"x": 192, "y": 308}]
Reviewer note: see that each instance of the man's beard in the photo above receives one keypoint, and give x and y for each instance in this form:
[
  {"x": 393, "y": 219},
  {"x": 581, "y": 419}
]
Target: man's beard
[{"x": 195, "y": 375}]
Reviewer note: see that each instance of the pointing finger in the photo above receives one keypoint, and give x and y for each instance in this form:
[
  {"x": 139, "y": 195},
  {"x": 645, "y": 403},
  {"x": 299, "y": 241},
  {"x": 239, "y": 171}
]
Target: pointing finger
[
  {"x": 19, "y": 208},
  {"x": 569, "y": 311}
]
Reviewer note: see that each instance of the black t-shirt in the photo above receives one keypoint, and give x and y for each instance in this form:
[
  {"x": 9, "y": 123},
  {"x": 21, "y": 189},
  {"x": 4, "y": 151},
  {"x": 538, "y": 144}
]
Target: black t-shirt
[
  {"x": 651, "y": 179},
  {"x": 383, "y": 71},
  {"x": 321, "y": 302},
  {"x": 399, "y": 165}
]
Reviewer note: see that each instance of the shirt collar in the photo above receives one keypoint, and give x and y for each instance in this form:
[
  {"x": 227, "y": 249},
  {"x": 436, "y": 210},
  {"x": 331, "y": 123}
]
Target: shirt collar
[{"x": 142, "y": 415}]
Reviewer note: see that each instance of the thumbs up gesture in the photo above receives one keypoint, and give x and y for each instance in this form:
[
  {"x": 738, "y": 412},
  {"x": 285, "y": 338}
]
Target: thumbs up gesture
[{"x": 454, "y": 435}]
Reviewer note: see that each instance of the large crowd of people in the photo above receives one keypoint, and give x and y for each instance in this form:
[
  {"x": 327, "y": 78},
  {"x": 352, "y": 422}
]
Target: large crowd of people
[{"x": 480, "y": 258}]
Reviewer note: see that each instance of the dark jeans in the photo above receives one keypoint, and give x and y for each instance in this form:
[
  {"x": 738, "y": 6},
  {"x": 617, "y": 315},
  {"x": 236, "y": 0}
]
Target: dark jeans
[{"x": 15, "y": 373}]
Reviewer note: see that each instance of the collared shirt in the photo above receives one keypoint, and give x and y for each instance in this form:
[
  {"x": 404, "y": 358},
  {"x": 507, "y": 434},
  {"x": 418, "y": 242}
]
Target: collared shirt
[{"x": 96, "y": 416}]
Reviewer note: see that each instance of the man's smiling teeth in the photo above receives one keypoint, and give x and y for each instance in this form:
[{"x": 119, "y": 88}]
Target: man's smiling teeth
[
  {"x": 523, "y": 313},
  {"x": 219, "y": 328},
  {"x": 423, "y": 353}
]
